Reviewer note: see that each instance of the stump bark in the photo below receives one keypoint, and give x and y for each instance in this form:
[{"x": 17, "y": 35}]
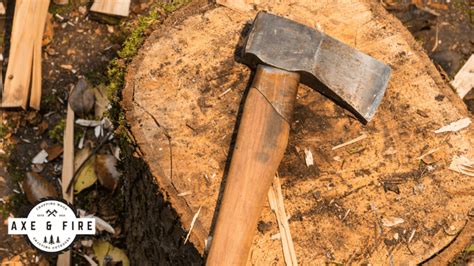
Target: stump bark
[{"x": 183, "y": 98}]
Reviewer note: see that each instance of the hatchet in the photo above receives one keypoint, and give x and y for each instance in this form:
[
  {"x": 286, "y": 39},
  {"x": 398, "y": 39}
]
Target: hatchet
[{"x": 284, "y": 53}]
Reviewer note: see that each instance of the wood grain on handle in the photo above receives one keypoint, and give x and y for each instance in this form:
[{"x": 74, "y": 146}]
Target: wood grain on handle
[{"x": 261, "y": 142}]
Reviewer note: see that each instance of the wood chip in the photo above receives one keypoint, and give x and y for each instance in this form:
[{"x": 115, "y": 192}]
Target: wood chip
[
  {"x": 392, "y": 221},
  {"x": 275, "y": 197},
  {"x": 192, "y": 225},
  {"x": 112, "y": 7},
  {"x": 463, "y": 82},
  {"x": 308, "y": 157},
  {"x": 455, "y": 126},
  {"x": 100, "y": 224},
  {"x": 40, "y": 158},
  {"x": 462, "y": 165},
  {"x": 67, "y": 67},
  {"x": 359, "y": 138},
  {"x": 186, "y": 193},
  {"x": 87, "y": 123}
]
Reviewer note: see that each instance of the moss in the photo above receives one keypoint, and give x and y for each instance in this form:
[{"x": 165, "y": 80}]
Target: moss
[
  {"x": 57, "y": 133},
  {"x": 12, "y": 205},
  {"x": 174, "y": 5},
  {"x": 60, "y": 9},
  {"x": 4, "y": 129},
  {"x": 117, "y": 67}
]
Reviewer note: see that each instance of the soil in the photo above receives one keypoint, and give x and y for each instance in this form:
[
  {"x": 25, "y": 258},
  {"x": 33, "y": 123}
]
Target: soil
[
  {"x": 83, "y": 44},
  {"x": 446, "y": 32},
  {"x": 185, "y": 128}
]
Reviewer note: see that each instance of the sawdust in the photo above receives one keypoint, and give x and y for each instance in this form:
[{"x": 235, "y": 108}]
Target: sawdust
[{"x": 186, "y": 132}]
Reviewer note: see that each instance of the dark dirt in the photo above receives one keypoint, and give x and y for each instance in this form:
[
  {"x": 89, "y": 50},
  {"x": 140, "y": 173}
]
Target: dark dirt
[
  {"x": 446, "y": 32},
  {"x": 451, "y": 27}
]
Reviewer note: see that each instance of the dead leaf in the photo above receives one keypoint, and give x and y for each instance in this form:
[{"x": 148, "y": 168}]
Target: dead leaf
[
  {"x": 82, "y": 98},
  {"x": 103, "y": 249},
  {"x": 54, "y": 152},
  {"x": 37, "y": 187},
  {"x": 42, "y": 127},
  {"x": 106, "y": 170},
  {"x": 86, "y": 177}
]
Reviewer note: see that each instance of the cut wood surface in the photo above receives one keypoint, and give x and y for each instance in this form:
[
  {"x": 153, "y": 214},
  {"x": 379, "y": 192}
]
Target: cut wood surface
[
  {"x": 35, "y": 99},
  {"x": 112, "y": 7},
  {"x": 24, "y": 63},
  {"x": 337, "y": 205}
]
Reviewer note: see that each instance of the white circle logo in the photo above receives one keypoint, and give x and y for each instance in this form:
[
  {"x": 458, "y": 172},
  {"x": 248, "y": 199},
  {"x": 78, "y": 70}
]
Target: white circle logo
[{"x": 51, "y": 226}]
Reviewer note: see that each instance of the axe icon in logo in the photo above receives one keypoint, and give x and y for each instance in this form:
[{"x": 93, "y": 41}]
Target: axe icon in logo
[{"x": 51, "y": 213}]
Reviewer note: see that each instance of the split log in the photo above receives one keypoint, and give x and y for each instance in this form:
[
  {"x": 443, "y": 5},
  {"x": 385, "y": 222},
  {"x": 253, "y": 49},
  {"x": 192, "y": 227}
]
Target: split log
[
  {"x": 186, "y": 131},
  {"x": 112, "y": 7},
  {"x": 24, "y": 63}
]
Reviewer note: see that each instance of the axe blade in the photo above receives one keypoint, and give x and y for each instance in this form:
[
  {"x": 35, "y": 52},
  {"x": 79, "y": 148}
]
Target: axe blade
[{"x": 349, "y": 77}]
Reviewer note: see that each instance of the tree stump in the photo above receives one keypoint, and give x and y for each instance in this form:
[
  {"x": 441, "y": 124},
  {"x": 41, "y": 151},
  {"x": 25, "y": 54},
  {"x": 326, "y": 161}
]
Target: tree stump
[{"x": 183, "y": 97}]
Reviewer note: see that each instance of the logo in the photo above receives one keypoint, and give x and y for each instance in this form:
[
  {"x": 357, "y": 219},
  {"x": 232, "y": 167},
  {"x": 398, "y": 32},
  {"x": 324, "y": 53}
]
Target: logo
[{"x": 51, "y": 226}]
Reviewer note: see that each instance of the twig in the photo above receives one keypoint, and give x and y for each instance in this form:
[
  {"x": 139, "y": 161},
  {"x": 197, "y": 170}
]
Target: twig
[
  {"x": 359, "y": 138},
  {"x": 427, "y": 153},
  {"x": 436, "y": 38},
  {"x": 224, "y": 93},
  {"x": 275, "y": 197}
]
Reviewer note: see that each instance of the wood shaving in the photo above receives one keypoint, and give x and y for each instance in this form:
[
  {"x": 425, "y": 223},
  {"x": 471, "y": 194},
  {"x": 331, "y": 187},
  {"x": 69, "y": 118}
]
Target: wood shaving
[
  {"x": 455, "y": 126},
  {"x": 275, "y": 197},
  {"x": 359, "y": 138},
  {"x": 308, "y": 157},
  {"x": 392, "y": 221},
  {"x": 462, "y": 165},
  {"x": 192, "y": 225}
]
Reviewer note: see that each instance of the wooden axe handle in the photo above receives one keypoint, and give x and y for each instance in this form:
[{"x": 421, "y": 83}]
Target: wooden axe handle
[{"x": 261, "y": 142}]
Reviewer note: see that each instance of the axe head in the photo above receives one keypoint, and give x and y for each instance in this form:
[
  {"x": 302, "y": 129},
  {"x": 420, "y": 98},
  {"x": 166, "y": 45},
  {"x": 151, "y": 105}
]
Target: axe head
[{"x": 352, "y": 79}]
